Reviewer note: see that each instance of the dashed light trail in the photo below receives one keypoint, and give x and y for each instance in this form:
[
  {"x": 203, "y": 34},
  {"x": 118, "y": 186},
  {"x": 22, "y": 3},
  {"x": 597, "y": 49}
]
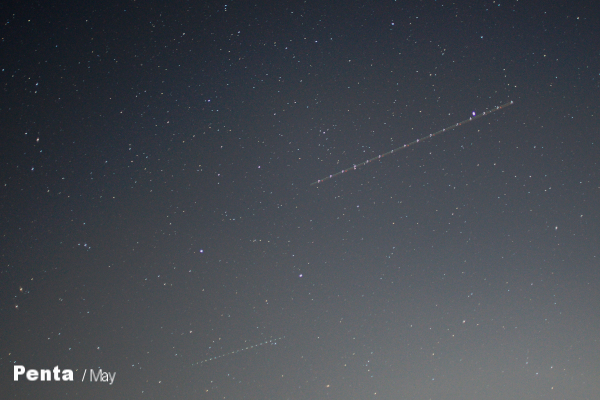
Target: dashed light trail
[
  {"x": 430, "y": 136},
  {"x": 270, "y": 341}
]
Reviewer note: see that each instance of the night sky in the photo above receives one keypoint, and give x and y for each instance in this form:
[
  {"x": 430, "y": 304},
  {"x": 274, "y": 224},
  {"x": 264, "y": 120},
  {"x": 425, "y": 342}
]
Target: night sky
[{"x": 156, "y": 207}]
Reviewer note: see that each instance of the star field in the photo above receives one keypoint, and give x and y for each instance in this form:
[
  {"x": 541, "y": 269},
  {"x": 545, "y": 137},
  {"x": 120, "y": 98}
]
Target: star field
[{"x": 158, "y": 219}]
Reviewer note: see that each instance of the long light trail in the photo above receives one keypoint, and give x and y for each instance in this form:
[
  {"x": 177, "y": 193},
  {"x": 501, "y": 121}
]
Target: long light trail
[{"x": 430, "y": 136}]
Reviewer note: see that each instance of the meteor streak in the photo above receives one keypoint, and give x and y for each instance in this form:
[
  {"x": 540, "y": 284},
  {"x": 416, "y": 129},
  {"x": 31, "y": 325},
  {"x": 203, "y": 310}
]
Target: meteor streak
[{"x": 466, "y": 121}]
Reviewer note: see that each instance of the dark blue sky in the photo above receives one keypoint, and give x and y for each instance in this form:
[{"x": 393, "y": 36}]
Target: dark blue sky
[{"x": 156, "y": 207}]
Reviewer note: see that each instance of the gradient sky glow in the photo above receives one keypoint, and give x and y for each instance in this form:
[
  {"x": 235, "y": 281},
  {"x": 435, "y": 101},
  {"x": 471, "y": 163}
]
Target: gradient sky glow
[{"x": 157, "y": 218}]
